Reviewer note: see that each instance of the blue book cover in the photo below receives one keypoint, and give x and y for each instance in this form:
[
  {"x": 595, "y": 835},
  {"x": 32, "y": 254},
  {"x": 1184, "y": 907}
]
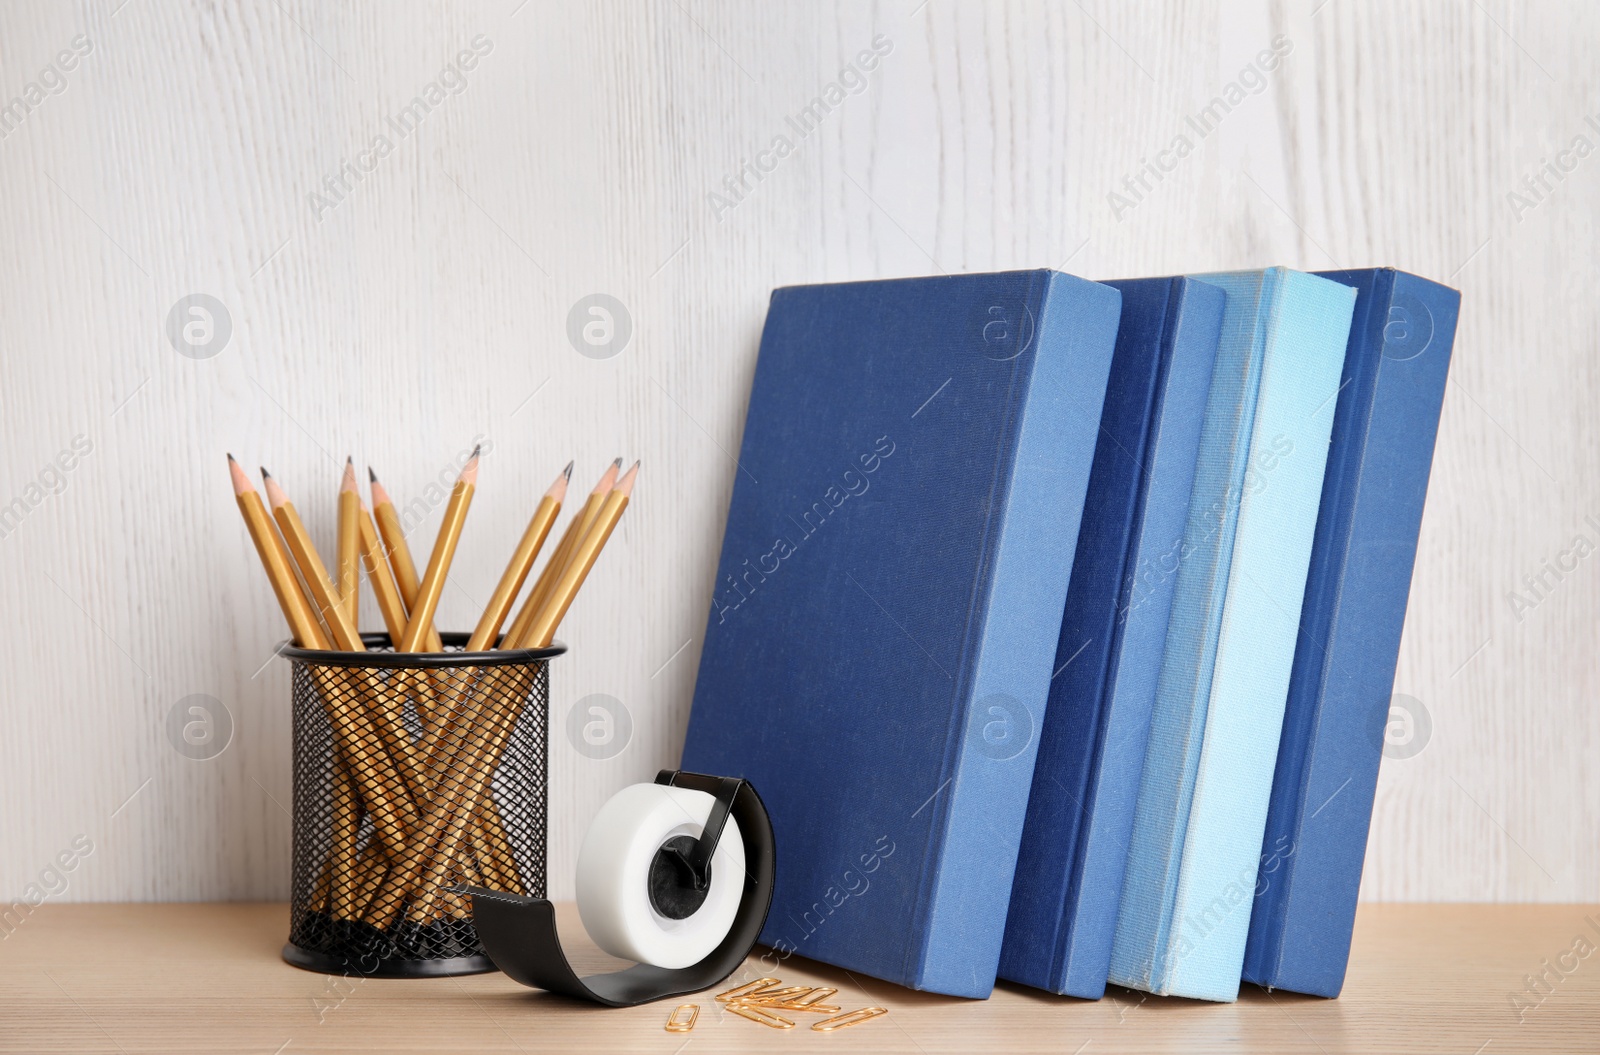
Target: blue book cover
[
  {"x": 879, "y": 648},
  {"x": 1075, "y": 842},
  {"x": 1202, "y": 805},
  {"x": 1366, "y": 541}
]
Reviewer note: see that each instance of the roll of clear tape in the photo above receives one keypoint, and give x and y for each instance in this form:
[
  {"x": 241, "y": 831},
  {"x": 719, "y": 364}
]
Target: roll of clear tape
[{"x": 614, "y": 877}]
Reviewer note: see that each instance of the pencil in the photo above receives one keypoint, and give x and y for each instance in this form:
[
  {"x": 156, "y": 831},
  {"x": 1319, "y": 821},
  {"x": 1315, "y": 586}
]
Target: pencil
[
  {"x": 591, "y": 508},
  {"x": 543, "y": 628},
  {"x": 303, "y": 625},
  {"x": 381, "y": 577},
  {"x": 494, "y": 614},
  {"x": 558, "y": 560},
  {"x": 347, "y": 552},
  {"x": 394, "y": 544},
  {"x": 311, "y": 567},
  {"x": 444, "y": 551}
]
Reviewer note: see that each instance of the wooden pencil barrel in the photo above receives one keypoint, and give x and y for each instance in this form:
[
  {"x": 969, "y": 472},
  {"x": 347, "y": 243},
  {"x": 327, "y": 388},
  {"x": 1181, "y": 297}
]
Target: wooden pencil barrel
[{"x": 413, "y": 772}]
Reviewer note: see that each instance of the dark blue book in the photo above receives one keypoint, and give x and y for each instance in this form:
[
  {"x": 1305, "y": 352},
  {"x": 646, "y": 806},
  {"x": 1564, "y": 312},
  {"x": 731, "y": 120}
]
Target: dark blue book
[
  {"x": 881, "y": 637},
  {"x": 1091, "y": 750},
  {"x": 1355, "y": 605}
]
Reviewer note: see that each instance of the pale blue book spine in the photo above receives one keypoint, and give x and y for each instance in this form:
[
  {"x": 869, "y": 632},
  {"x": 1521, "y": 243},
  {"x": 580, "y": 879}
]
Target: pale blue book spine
[
  {"x": 1177, "y": 722},
  {"x": 1308, "y": 329},
  {"x": 1227, "y": 679}
]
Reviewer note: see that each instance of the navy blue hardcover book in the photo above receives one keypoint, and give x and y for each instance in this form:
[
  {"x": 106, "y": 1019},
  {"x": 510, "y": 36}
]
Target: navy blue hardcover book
[
  {"x": 1366, "y": 542},
  {"x": 879, "y": 648},
  {"x": 1068, "y": 881}
]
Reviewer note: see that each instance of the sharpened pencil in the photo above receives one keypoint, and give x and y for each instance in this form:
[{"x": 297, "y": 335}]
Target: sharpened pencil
[
  {"x": 348, "y": 551},
  {"x": 312, "y": 569},
  {"x": 399, "y": 554},
  {"x": 444, "y": 551},
  {"x": 527, "y": 551},
  {"x": 381, "y": 577},
  {"x": 303, "y": 625},
  {"x": 517, "y": 635},
  {"x": 543, "y": 628}
]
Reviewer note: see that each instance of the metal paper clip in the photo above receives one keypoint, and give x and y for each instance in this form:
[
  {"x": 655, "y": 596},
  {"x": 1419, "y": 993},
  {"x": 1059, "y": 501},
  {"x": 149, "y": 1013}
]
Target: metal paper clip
[
  {"x": 756, "y": 1013},
  {"x": 848, "y": 1019},
  {"x": 768, "y": 996},
  {"x": 821, "y": 1009},
  {"x": 677, "y": 1023},
  {"x": 816, "y": 996},
  {"x": 747, "y": 989}
]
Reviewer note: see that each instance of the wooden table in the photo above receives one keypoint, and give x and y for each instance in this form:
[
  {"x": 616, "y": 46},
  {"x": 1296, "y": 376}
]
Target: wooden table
[{"x": 207, "y": 978}]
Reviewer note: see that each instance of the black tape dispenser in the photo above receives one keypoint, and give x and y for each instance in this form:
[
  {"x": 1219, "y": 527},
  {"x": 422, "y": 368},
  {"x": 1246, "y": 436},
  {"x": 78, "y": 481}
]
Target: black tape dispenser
[{"x": 677, "y": 875}]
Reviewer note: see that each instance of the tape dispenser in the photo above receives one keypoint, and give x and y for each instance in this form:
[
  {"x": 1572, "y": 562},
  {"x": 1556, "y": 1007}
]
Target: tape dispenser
[{"x": 676, "y": 875}]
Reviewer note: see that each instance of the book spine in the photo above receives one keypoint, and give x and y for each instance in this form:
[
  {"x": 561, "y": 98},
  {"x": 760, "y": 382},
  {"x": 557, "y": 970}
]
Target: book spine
[
  {"x": 1338, "y": 701},
  {"x": 1144, "y": 605},
  {"x": 1178, "y": 716},
  {"x": 1039, "y": 925},
  {"x": 1304, "y": 358},
  {"x": 1023, "y": 588}
]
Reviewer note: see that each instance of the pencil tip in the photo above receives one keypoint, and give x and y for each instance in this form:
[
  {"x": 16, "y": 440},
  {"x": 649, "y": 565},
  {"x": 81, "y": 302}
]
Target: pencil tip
[
  {"x": 567, "y": 472},
  {"x": 617, "y": 462},
  {"x": 625, "y": 485},
  {"x": 350, "y": 460},
  {"x": 241, "y": 481},
  {"x": 372, "y": 477},
  {"x": 476, "y": 448},
  {"x": 264, "y": 474}
]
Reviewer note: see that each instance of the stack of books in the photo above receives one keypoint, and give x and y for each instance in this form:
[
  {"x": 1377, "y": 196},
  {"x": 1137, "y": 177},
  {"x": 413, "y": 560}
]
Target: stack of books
[{"x": 1056, "y": 621}]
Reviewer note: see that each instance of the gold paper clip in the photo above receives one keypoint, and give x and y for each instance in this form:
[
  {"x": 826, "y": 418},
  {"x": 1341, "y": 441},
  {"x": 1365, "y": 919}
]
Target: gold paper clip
[
  {"x": 802, "y": 998},
  {"x": 816, "y": 996},
  {"x": 848, "y": 1019},
  {"x": 677, "y": 1023},
  {"x": 772, "y": 996},
  {"x": 821, "y": 1009},
  {"x": 747, "y": 989},
  {"x": 756, "y": 1013}
]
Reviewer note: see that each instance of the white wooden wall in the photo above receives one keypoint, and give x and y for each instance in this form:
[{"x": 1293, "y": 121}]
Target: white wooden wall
[{"x": 430, "y": 306}]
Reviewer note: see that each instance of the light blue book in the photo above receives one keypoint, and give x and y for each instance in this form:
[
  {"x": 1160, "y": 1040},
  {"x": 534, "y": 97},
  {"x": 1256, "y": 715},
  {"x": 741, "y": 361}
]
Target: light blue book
[{"x": 1213, "y": 743}]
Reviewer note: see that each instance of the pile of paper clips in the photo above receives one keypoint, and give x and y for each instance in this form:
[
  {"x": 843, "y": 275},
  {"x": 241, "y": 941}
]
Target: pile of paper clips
[{"x": 761, "y": 1000}]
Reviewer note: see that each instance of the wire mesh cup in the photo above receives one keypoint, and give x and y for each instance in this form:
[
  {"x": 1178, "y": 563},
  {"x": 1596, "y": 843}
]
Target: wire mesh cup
[{"x": 413, "y": 772}]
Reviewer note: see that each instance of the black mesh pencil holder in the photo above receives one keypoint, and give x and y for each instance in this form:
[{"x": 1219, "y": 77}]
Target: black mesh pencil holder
[{"x": 413, "y": 772}]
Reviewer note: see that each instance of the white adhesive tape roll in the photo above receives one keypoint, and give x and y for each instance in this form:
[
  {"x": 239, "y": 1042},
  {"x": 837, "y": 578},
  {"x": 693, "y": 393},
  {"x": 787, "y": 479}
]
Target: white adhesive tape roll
[{"x": 614, "y": 877}]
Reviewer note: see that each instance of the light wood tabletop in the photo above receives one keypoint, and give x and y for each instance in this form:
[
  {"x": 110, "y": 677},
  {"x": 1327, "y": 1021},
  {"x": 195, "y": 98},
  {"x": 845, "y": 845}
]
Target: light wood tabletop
[{"x": 208, "y": 978}]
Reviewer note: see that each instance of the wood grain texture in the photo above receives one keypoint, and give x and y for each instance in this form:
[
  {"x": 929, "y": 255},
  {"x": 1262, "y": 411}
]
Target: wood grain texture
[
  {"x": 170, "y": 978},
  {"x": 579, "y": 155}
]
